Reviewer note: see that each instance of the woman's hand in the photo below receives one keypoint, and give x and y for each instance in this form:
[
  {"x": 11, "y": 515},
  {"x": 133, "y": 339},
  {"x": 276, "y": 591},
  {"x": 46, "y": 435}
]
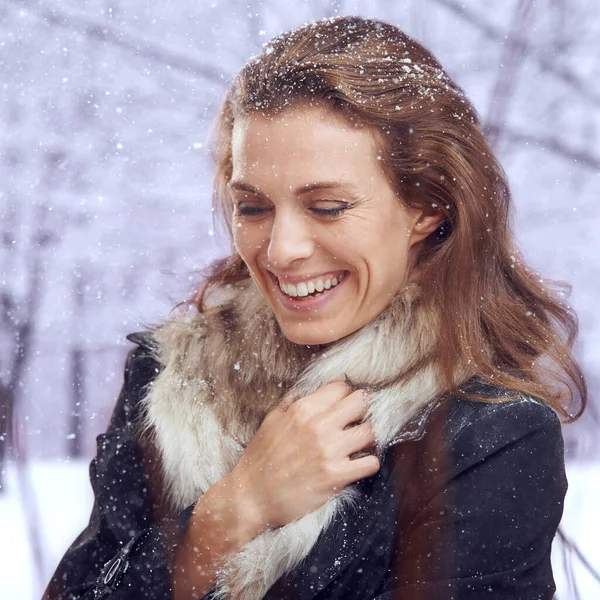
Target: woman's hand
[{"x": 300, "y": 455}]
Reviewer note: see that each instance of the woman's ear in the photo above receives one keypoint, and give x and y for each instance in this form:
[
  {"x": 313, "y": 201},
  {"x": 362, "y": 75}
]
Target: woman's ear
[{"x": 424, "y": 224}]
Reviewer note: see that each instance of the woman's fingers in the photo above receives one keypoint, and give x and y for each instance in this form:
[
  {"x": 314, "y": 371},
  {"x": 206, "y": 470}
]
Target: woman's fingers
[
  {"x": 321, "y": 401},
  {"x": 357, "y": 438},
  {"x": 350, "y": 409},
  {"x": 357, "y": 469}
]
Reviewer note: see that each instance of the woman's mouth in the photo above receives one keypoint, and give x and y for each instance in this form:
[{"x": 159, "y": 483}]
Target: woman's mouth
[{"x": 309, "y": 295}]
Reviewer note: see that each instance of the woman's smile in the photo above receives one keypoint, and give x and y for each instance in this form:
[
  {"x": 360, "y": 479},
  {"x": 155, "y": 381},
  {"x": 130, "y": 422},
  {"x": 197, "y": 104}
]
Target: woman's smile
[{"x": 309, "y": 294}]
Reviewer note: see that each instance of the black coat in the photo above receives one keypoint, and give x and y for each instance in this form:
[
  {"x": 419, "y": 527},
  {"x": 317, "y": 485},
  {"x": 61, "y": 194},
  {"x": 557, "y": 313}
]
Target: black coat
[{"x": 466, "y": 512}]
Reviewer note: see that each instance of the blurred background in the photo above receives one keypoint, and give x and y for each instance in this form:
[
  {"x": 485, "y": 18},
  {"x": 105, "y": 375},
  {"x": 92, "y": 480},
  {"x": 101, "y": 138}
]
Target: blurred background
[{"x": 105, "y": 185}]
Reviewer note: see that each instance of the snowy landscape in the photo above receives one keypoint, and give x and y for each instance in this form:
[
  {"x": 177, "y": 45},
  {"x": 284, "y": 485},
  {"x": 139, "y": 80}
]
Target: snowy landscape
[{"x": 105, "y": 188}]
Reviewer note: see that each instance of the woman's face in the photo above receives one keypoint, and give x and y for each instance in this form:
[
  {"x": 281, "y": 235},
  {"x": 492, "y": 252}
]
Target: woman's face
[{"x": 316, "y": 221}]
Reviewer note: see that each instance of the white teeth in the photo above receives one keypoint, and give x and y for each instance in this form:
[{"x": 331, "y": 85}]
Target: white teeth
[
  {"x": 305, "y": 288},
  {"x": 302, "y": 289}
]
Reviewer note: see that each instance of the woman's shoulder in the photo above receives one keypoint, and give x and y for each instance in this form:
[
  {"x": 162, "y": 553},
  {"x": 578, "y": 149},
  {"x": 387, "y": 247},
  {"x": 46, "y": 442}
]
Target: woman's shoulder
[
  {"x": 141, "y": 368},
  {"x": 142, "y": 364},
  {"x": 460, "y": 434},
  {"x": 481, "y": 449},
  {"x": 458, "y": 425},
  {"x": 502, "y": 414},
  {"x": 486, "y": 443},
  {"x": 143, "y": 354}
]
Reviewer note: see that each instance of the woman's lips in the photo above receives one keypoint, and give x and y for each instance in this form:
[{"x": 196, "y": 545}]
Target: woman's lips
[{"x": 308, "y": 303}]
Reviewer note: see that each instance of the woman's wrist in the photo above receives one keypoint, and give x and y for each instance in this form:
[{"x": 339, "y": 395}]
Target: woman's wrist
[
  {"x": 222, "y": 522},
  {"x": 249, "y": 520},
  {"x": 225, "y": 518}
]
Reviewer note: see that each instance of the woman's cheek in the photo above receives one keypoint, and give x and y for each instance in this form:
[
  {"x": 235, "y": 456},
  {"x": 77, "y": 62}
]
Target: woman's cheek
[{"x": 240, "y": 238}]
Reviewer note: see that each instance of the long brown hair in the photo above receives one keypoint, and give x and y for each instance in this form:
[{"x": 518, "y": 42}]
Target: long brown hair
[{"x": 497, "y": 315}]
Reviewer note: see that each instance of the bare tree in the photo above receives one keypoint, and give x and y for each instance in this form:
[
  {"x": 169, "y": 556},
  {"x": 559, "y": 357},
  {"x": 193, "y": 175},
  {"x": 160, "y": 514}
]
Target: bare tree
[
  {"x": 18, "y": 319},
  {"x": 78, "y": 367},
  {"x": 507, "y": 79}
]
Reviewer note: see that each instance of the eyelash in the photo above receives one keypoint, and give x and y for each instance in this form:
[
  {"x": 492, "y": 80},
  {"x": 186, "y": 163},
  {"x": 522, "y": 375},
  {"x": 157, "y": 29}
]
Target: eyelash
[{"x": 251, "y": 211}]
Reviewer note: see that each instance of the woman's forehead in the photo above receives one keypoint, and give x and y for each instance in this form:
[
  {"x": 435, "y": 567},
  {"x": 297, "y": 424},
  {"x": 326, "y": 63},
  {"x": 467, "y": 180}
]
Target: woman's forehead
[
  {"x": 307, "y": 139},
  {"x": 297, "y": 115}
]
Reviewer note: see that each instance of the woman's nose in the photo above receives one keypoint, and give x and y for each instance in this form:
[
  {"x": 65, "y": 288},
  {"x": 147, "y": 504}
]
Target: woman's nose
[{"x": 291, "y": 239}]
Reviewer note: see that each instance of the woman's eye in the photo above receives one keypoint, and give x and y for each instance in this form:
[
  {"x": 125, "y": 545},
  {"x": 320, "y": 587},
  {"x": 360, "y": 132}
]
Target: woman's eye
[
  {"x": 250, "y": 211},
  {"x": 255, "y": 211},
  {"x": 331, "y": 212}
]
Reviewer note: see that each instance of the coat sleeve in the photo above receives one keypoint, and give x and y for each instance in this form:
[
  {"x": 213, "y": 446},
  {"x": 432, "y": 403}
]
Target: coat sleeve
[
  {"x": 122, "y": 553},
  {"x": 485, "y": 531}
]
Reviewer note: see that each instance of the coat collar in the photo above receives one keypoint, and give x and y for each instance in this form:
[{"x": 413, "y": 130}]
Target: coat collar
[{"x": 224, "y": 369}]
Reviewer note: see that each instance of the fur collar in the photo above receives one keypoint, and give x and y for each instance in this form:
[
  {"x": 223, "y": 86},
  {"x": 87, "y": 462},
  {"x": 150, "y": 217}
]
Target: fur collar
[{"x": 224, "y": 369}]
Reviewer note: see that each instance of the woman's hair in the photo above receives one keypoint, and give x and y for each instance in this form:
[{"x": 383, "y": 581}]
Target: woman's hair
[{"x": 497, "y": 315}]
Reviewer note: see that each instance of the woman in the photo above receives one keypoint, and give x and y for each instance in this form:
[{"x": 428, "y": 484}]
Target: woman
[{"x": 364, "y": 402}]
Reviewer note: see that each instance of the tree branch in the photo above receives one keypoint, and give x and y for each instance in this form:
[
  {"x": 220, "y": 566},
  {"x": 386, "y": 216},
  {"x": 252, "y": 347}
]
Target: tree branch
[
  {"x": 546, "y": 63},
  {"x": 128, "y": 41},
  {"x": 508, "y": 70},
  {"x": 555, "y": 146},
  {"x": 28, "y": 317}
]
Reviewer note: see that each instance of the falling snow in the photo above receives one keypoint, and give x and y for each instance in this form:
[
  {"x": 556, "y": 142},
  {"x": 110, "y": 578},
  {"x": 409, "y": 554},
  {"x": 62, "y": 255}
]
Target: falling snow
[{"x": 105, "y": 203}]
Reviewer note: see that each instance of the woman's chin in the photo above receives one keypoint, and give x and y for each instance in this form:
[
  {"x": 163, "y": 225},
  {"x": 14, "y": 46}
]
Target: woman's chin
[
  {"x": 308, "y": 336},
  {"x": 313, "y": 334}
]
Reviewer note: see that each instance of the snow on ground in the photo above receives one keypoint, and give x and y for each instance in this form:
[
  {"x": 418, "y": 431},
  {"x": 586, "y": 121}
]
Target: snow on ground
[{"x": 63, "y": 499}]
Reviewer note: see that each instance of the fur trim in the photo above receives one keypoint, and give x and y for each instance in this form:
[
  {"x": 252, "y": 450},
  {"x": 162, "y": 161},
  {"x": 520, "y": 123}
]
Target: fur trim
[{"x": 224, "y": 369}]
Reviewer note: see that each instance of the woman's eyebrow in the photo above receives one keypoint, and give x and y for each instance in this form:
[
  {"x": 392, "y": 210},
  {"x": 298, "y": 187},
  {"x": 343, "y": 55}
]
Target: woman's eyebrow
[
  {"x": 303, "y": 189},
  {"x": 326, "y": 185},
  {"x": 242, "y": 186}
]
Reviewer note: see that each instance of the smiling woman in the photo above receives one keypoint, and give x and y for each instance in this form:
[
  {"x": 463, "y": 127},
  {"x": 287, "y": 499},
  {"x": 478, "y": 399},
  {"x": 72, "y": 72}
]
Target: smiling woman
[{"x": 362, "y": 400}]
